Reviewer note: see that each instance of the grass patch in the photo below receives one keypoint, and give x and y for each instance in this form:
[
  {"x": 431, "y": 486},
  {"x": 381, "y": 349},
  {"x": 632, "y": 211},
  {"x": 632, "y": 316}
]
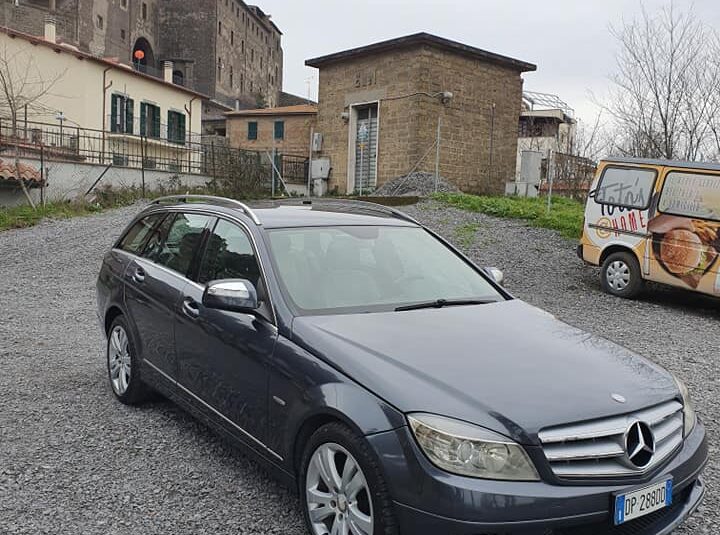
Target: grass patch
[
  {"x": 465, "y": 234},
  {"x": 25, "y": 216},
  {"x": 566, "y": 215}
]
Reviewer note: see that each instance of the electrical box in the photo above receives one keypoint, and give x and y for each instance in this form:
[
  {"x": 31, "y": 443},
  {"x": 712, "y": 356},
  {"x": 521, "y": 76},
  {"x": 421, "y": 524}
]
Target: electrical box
[
  {"x": 317, "y": 141},
  {"x": 321, "y": 168}
]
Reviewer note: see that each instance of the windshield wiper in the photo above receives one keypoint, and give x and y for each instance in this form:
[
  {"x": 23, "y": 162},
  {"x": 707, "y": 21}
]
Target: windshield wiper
[{"x": 440, "y": 303}]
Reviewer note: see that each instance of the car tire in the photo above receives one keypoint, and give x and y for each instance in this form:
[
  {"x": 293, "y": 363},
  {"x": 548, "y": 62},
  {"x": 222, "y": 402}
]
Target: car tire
[
  {"x": 369, "y": 509},
  {"x": 123, "y": 365},
  {"x": 621, "y": 275}
]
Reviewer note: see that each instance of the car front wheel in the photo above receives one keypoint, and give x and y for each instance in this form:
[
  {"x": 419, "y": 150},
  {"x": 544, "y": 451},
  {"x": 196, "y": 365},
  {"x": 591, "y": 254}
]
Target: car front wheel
[{"x": 342, "y": 489}]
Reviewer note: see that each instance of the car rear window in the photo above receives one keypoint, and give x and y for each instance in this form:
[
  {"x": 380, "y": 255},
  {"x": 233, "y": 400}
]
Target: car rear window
[{"x": 629, "y": 187}]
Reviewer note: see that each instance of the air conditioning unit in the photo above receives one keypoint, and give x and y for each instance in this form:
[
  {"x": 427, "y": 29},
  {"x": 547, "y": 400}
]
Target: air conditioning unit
[{"x": 317, "y": 141}]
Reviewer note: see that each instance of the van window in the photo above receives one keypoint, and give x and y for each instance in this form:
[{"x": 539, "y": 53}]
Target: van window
[
  {"x": 692, "y": 195},
  {"x": 627, "y": 187}
]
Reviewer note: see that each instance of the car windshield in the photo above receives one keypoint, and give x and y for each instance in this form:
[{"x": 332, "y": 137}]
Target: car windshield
[{"x": 325, "y": 270}]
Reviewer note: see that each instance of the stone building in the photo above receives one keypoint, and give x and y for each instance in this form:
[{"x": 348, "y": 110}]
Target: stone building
[
  {"x": 286, "y": 129},
  {"x": 379, "y": 107},
  {"x": 225, "y": 49}
]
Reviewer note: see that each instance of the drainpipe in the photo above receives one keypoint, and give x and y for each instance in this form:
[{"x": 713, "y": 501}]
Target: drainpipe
[
  {"x": 106, "y": 86},
  {"x": 189, "y": 131}
]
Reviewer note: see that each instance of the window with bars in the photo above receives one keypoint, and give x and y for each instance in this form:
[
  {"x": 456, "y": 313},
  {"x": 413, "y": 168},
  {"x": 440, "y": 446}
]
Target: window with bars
[
  {"x": 252, "y": 130},
  {"x": 121, "y": 114}
]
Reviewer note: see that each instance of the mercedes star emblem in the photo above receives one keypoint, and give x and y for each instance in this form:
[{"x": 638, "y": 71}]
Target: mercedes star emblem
[{"x": 640, "y": 444}]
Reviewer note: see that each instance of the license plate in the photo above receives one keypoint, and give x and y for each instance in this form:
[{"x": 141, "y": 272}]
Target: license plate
[{"x": 640, "y": 502}]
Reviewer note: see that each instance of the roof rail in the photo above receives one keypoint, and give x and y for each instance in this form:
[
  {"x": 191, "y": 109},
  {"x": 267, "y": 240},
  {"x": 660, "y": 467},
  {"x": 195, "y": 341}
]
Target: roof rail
[
  {"x": 210, "y": 199},
  {"x": 369, "y": 206}
]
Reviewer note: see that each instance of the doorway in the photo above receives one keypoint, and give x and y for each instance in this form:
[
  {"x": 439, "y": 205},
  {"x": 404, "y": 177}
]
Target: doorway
[{"x": 364, "y": 155}]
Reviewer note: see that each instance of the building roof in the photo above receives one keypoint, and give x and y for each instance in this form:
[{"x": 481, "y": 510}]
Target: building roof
[
  {"x": 69, "y": 49},
  {"x": 288, "y": 99},
  {"x": 300, "y": 109},
  {"x": 420, "y": 39},
  {"x": 709, "y": 166}
]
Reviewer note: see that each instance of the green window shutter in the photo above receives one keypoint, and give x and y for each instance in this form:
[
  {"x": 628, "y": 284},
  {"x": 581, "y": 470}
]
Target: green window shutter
[
  {"x": 170, "y": 126},
  {"x": 129, "y": 115},
  {"x": 279, "y": 129},
  {"x": 156, "y": 121},
  {"x": 143, "y": 119},
  {"x": 181, "y": 128},
  {"x": 114, "y": 117},
  {"x": 252, "y": 130}
]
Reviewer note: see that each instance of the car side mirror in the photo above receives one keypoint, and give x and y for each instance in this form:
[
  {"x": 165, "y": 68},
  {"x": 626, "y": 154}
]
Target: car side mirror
[
  {"x": 496, "y": 274},
  {"x": 236, "y": 295}
]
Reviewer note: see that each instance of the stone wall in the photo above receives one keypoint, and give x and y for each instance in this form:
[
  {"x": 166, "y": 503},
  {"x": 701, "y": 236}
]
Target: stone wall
[
  {"x": 296, "y": 140},
  {"x": 408, "y": 126}
]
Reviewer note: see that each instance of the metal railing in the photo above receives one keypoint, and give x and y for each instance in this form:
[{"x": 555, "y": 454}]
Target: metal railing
[{"x": 229, "y": 169}]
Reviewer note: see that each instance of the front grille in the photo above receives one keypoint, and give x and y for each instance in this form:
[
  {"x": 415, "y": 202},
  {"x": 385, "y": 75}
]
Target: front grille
[{"x": 596, "y": 449}]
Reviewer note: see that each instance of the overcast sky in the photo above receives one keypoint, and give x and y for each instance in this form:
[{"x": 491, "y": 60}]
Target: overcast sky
[{"x": 569, "y": 40}]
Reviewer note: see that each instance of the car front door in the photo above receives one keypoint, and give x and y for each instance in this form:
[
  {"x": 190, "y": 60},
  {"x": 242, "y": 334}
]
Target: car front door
[
  {"x": 223, "y": 356},
  {"x": 154, "y": 284}
]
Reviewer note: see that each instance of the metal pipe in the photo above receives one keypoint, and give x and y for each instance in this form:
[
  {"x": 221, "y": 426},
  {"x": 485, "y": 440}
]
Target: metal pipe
[{"x": 437, "y": 155}]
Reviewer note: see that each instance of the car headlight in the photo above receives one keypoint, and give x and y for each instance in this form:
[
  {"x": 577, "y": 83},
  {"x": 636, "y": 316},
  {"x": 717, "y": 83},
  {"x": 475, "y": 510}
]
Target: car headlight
[
  {"x": 688, "y": 410},
  {"x": 469, "y": 450}
]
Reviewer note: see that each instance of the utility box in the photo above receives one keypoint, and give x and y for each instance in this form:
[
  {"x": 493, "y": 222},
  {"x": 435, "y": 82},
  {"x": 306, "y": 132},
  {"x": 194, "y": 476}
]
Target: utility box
[
  {"x": 530, "y": 166},
  {"x": 317, "y": 141},
  {"x": 320, "y": 168}
]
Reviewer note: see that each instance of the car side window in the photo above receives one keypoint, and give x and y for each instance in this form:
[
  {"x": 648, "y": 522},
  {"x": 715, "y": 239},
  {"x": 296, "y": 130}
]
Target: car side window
[
  {"x": 174, "y": 245},
  {"x": 229, "y": 255},
  {"x": 135, "y": 238}
]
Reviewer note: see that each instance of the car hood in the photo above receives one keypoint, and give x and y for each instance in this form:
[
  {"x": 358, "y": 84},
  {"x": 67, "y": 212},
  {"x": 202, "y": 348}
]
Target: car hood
[{"x": 507, "y": 366}]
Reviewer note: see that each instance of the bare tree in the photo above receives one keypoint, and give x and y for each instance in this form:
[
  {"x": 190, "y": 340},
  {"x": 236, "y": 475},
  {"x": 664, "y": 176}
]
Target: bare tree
[
  {"x": 667, "y": 77},
  {"x": 23, "y": 88}
]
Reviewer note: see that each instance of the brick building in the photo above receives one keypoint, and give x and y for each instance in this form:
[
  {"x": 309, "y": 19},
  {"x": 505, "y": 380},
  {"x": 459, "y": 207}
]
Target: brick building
[
  {"x": 286, "y": 129},
  {"x": 225, "y": 49},
  {"x": 379, "y": 107}
]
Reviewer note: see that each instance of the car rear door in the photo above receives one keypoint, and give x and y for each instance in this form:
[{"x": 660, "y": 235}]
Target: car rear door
[
  {"x": 223, "y": 356},
  {"x": 154, "y": 283}
]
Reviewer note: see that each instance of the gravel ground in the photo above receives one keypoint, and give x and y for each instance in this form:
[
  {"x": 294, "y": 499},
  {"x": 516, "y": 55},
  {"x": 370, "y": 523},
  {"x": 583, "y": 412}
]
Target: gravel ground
[{"x": 73, "y": 460}]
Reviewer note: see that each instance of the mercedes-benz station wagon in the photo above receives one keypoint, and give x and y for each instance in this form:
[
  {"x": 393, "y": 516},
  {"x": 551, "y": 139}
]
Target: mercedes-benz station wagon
[{"x": 398, "y": 386}]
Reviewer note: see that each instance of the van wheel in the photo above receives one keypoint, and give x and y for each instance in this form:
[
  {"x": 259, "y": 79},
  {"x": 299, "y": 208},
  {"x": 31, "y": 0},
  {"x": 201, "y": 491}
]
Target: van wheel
[{"x": 621, "y": 275}]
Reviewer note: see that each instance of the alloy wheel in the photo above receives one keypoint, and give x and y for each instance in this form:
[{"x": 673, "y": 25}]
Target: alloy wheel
[
  {"x": 119, "y": 360},
  {"x": 338, "y": 497},
  {"x": 618, "y": 275}
]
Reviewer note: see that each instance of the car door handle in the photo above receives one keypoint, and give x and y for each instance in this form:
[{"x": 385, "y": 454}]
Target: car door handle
[
  {"x": 139, "y": 275},
  {"x": 190, "y": 308}
]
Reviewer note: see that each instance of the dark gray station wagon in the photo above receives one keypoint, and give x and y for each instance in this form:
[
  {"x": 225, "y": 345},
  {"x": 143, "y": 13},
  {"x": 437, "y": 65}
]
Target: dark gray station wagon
[{"x": 364, "y": 360}]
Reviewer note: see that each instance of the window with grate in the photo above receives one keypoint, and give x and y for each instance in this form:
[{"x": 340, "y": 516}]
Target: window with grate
[{"x": 252, "y": 130}]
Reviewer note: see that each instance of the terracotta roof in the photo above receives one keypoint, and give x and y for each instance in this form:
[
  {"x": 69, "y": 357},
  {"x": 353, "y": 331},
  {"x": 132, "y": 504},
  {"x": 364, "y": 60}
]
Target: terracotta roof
[
  {"x": 300, "y": 109},
  {"x": 70, "y": 49},
  {"x": 27, "y": 172},
  {"x": 419, "y": 39}
]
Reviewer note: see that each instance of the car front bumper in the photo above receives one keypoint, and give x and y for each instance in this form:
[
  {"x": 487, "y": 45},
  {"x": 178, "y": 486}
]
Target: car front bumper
[{"x": 431, "y": 501}]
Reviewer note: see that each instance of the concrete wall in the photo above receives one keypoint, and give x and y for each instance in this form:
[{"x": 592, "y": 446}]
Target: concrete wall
[
  {"x": 296, "y": 139},
  {"x": 408, "y": 126},
  {"x": 68, "y": 181}
]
